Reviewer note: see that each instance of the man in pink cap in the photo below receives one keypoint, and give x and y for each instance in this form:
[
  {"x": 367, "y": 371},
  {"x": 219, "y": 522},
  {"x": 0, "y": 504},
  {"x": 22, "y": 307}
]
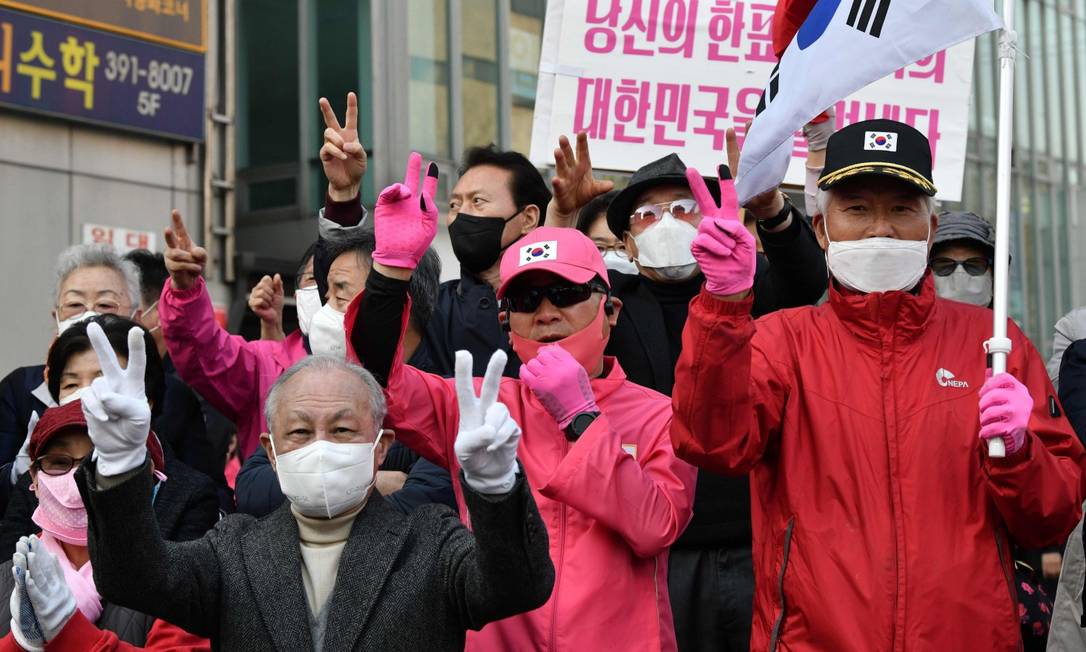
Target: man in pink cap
[{"x": 595, "y": 446}]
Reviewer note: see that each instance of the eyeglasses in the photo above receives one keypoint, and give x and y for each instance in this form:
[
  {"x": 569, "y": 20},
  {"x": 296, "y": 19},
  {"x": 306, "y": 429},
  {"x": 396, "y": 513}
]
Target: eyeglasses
[
  {"x": 57, "y": 463},
  {"x": 70, "y": 309},
  {"x": 561, "y": 296},
  {"x": 973, "y": 266},
  {"x": 680, "y": 209},
  {"x": 617, "y": 248}
]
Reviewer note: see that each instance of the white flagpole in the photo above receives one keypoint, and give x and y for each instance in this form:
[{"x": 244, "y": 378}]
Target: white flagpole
[{"x": 999, "y": 346}]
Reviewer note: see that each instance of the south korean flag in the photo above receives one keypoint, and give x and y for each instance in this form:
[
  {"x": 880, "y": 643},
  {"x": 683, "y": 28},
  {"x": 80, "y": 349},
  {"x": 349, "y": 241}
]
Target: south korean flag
[
  {"x": 881, "y": 141},
  {"x": 840, "y": 47},
  {"x": 538, "y": 252}
]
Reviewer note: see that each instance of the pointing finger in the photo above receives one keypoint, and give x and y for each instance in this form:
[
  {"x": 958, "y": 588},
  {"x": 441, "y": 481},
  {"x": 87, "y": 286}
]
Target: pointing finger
[
  {"x": 729, "y": 200},
  {"x": 137, "y": 356},
  {"x": 330, "y": 119},
  {"x": 352, "y": 110},
  {"x": 277, "y": 284},
  {"x": 493, "y": 379},
  {"x": 411, "y": 175},
  {"x": 465, "y": 390},
  {"x": 179, "y": 230},
  {"x": 429, "y": 183},
  {"x": 107, "y": 357},
  {"x": 701, "y": 193}
]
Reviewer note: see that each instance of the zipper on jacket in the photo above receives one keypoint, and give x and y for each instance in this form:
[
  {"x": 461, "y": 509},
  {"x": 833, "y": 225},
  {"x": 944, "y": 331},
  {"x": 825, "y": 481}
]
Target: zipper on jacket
[
  {"x": 1011, "y": 590},
  {"x": 775, "y": 639},
  {"x": 558, "y": 575}
]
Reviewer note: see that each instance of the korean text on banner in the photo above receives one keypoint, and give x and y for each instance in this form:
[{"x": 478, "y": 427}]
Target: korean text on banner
[{"x": 651, "y": 78}]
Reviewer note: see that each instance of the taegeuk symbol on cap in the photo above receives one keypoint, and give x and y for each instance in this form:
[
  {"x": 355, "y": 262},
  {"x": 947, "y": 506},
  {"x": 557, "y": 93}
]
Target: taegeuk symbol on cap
[
  {"x": 881, "y": 140},
  {"x": 538, "y": 252}
]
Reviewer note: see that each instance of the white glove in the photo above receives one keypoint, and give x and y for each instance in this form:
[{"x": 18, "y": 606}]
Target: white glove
[
  {"x": 486, "y": 443},
  {"x": 53, "y": 601},
  {"x": 24, "y": 622},
  {"x": 115, "y": 405},
  {"x": 22, "y": 460}
]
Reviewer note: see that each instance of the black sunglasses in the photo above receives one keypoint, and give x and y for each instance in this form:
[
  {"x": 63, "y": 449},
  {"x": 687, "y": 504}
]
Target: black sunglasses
[
  {"x": 974, "y": 266},
  {"x": 561, "y": 296},
  {"x": 57, "y": 463}
]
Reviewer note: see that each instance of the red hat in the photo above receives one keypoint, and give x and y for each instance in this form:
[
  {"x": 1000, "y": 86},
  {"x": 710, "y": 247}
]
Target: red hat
[
  {"x": 56, "y": 419},
  {"x": 52, "y": 422},
  {"x": 565, "y": 252}
]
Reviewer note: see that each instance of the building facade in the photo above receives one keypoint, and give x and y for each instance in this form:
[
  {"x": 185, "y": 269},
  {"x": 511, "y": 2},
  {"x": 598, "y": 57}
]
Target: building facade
[{"x": 437, "y": 76}]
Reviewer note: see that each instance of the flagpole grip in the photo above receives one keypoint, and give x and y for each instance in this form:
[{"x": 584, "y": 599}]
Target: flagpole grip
[{"x": 999, "y": 349}]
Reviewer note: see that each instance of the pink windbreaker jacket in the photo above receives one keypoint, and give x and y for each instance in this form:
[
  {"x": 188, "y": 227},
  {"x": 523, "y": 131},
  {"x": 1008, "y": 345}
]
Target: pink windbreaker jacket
[{"x": 233, "y": 374}]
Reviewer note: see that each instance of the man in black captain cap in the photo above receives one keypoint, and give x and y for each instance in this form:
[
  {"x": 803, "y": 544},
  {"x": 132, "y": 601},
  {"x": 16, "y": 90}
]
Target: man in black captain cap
[
  {"x": 710, "y": 576},
  {"x": 880, "y": 521}
]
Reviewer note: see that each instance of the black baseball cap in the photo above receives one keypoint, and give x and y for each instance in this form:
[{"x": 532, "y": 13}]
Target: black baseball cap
[
  {"x": 667, "y": 171},
  {"x": 883, "y": 147}
]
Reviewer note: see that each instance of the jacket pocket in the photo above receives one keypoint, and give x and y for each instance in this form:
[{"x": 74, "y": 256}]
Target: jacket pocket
[{"x": 778, "y": 625}]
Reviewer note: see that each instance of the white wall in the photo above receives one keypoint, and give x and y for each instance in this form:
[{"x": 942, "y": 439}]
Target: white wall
[{"x": 54, "y": 177}]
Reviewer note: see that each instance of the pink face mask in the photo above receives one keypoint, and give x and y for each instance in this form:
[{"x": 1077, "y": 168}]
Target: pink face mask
[
  {"x": 60, "y": 509},
  {"x": 586, "y": 345}
]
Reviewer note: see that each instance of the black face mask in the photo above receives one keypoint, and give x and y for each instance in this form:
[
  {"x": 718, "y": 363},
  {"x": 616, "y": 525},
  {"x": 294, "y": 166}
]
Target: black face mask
[{"x": 477, "y": 241}]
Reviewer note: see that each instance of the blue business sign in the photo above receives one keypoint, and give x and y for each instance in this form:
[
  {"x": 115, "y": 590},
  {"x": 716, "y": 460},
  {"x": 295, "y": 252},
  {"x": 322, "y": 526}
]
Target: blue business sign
[{"x": 89, "y": 75}]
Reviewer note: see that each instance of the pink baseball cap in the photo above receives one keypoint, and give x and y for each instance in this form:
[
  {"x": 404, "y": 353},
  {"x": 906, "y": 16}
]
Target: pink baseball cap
[{"x": 565, "y": 252}]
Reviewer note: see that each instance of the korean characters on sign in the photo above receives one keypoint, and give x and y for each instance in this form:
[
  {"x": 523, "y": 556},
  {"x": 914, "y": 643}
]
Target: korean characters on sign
[{"x": 648, "y": 77}]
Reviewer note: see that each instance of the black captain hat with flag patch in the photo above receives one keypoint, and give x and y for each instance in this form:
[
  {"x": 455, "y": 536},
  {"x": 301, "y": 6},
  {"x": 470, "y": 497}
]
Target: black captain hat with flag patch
[{"x": 883, "y": 147}]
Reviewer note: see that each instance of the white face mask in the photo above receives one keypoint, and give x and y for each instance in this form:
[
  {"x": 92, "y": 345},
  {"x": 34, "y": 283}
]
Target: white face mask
[
  {"x": 665, "y": 248},
  {"x": 960, "y": 286},
  {"x": 877, "y": 264},
  {"x": 72, "y": 321},
  {"x": 308, "y": 302},
  {"x": 326, "y": 333},
  {"x": 325, "y": 479},
  {"x": 620, "y": 263},
  {"x": 74, "y": 396}
]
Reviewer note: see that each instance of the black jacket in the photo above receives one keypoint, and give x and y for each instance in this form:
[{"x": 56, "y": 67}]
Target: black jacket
[
  {"x": 1073, "y": 387},
  {"x": 186, "y": 506},
  {"x": 16, "y": 404},
  {"x": 791, "y": 273},
  {"x": 465, "y": 319},
  {"x": 405, "y": 583}
]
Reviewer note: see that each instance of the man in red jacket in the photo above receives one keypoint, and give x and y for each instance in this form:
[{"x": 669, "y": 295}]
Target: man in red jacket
[{"x": 880, "y": 521}]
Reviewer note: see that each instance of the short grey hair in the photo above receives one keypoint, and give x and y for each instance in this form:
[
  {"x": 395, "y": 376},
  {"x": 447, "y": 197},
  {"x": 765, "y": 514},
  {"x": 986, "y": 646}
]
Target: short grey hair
[
  {"x": 376, "y": 395},
  {"x": 823, "y": 197},
  {"x": 98, "y": 255}
]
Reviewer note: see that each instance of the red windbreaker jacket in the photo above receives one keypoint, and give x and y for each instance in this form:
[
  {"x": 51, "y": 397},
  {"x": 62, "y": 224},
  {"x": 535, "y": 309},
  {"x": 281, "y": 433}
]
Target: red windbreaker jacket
[{"x": 879, "y": 521}]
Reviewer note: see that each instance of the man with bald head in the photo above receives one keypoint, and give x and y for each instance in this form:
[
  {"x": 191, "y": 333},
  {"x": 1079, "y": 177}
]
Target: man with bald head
[{"x": 334, "y": 568}]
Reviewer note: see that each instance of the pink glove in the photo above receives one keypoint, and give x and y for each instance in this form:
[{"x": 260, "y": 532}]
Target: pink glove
[
  {"x": 724, "y": 248},
  {"x": 405, "y": 221},
  {"x": 1005, "y": 406},
  {"x": 560, "y": 383}
]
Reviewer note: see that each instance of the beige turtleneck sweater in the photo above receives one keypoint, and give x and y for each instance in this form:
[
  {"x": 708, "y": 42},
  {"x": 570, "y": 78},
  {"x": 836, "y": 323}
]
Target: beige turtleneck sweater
[{"x": 321, "y": 541}]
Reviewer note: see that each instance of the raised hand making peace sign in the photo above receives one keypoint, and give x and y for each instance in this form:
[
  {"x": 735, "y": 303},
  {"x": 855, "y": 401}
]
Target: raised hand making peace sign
[
  {"x": 342, "y": 155},
  {"x": 405, "y": 219},
  {"x": 116, "y": 408},
  {"x": 724, "y": 248},
  {"x": 486, "y": 443},
  {"x": 184, "y": 260}
]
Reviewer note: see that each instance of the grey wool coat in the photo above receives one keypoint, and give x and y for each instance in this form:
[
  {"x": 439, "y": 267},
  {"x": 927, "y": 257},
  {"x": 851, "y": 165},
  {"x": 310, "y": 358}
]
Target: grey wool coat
[{"x": 410, "y": 583}]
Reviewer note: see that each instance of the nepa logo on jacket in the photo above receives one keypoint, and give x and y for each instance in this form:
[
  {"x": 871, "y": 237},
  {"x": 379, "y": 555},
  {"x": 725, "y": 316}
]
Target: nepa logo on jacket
[{"x": 946, "y": 379}]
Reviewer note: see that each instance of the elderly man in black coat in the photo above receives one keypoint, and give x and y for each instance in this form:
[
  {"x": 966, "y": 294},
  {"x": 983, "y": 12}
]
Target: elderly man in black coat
[{"x": 334, "y": 568}]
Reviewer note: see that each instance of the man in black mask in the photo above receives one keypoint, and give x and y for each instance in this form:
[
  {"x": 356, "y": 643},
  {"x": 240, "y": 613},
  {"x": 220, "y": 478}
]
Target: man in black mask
[{"x": 499, "y": 197}]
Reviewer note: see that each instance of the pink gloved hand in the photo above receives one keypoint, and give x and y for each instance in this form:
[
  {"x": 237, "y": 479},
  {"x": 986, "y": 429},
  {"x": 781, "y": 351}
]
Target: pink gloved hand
[
  {"x": 1005, "y": 407},
  {"x": 405, "y": 220},
  {"x": 560, "y": 383},
  {"x": 724, "y": 248}
]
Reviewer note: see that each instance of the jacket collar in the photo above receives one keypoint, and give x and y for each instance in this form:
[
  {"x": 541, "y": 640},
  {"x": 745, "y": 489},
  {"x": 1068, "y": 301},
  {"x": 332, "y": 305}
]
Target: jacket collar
[
  {"x": 373, "y": 545},
  {"x": 611, "y": 381},
  {"x": 273, "y": 563},
  {"x": 876, "y": 315}
]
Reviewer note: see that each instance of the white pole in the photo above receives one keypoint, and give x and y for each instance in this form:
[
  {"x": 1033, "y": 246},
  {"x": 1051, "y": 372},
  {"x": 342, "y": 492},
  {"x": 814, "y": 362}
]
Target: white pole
[{"x": 999, "y": 346}]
